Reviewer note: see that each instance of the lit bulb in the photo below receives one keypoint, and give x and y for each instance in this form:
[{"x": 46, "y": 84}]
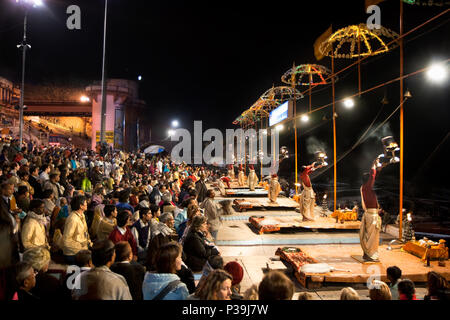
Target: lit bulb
[
  {"x": 305, "y": 118},
  {"x": 279, "y": 127},
  {"x": 437, "y": 73},
  {"x": 349, "y": 103}
]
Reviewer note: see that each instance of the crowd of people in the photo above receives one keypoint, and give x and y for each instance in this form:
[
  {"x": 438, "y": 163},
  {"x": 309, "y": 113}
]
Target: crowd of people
[{"x": 127, "y": 226}]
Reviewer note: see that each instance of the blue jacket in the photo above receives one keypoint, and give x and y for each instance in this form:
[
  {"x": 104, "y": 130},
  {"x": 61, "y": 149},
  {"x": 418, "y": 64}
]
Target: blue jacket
[
  {"x": 124, "y": 206},
  {"x": 155, "y": 282}
]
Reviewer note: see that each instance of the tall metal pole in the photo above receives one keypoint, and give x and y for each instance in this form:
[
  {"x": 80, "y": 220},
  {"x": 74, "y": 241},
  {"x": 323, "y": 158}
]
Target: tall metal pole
[
  {"x": 334, "y": 136},
  {"x": 103, "y": 115},
  {"x": 401, "y": 124},
  {"x": 294, "y": 105},
  {"x": 24, "y": 47}
]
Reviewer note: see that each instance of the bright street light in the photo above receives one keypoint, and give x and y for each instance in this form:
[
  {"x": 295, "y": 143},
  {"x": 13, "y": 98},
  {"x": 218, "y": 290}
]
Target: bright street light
[
  {"x": 34, "y": 3},
  {"x": 171, "y": 132},
  {"x": 305, "y": 118},
  {"x": 175, "y": 123},
  {"x": 139, "y": 78},
  {"x": 348, "y": 103},
  {"x": 437, "y": 73},
  {"x": 279, "y": 127}
]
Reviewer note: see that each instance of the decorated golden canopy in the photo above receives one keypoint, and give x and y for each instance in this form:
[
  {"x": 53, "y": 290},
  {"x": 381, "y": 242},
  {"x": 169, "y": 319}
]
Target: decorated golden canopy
[
  {"x": 307, "y": 74},
  {"x": 358, "y": 40}
]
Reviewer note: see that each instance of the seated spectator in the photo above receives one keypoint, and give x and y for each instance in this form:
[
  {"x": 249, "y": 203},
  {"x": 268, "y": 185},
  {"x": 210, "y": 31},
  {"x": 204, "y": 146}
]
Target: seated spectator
[
  {"x": 142, "y": 233},
  {"x": 275, "y": 286},
  {"x": 165, "y": 227},
  {"x": 83, "y": 260},
  {"x": 183, "y": 230},
  {"x": 132, "y": 272},
  {"x": 26, "y": 281},
  {"x": 100, "y": 283},
  {"x": 394, "y": 275},
  {"x": 195, "y": 247},
  {"x": 33, "y": 229},
  {"x": 349, "y": 294},
  {"x": 23, "y": 198},
  {"x": 213, "y": 263},
  {"x": 47, "y": 287},
  {"x": 217, "y": 286},
  {"x": 57, "y": 239},
  {"x": 438, "y": 288},
  {"x": 237, "y": 272},
  {"x": 406, "y": 290},
  {"x": 165, "y": 284},
  {"x": 76, "y": 235},
  {"x": 103, "y": 226},
  {"x": 122, "y": 232},
  {"x": 379, "y": 291},
  {"x": 64, "y": 211}
]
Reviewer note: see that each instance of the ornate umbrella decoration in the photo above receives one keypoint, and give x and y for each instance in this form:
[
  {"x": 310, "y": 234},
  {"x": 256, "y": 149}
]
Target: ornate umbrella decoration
[
  {"x": 306, "y": 75},
  {"x": 358, "y": 41},
  {"x": 281, "y": 93}
]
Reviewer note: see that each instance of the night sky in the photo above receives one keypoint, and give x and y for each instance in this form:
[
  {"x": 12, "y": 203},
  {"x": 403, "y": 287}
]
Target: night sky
[{"x": 211, "y": 60}]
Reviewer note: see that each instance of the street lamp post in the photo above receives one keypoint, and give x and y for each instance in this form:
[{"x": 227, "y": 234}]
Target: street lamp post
[
  {"x": 24, "y": 47},
  {"x": 103, "y": 115}
]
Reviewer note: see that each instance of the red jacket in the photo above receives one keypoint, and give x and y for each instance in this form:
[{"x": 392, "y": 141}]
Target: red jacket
[{"x": 115, "y": 236}]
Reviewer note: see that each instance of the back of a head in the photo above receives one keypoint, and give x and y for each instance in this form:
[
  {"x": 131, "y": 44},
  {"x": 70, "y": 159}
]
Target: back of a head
[
  {"x": 407, "y": 288},
  {"x": 305, "y": 296},
  {"x": 394, "y": 273},
  {"x": 122, "y": 218},
  {"x": 38, "y": 257},
  {"x": 83, "y": 257},
  {"x": 102, "y": 252},
  {"x": 123, "y": 251},
  {"x": 275, "y": 286},
  {"x": 436, "y": 283},
  {"x": 216, "y": 262},
  {"x": 124, "y": 196},
  {"x": 380, "y": 291},
  {"x": 166, "y": 256},
  {"x": 365, "y": 177},
  {"x": 349, "y": 294}
]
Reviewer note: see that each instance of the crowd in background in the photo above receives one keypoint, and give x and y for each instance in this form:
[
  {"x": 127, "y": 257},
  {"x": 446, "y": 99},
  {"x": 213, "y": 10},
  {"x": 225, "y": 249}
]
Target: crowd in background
[{"x": 127, "y": 226}]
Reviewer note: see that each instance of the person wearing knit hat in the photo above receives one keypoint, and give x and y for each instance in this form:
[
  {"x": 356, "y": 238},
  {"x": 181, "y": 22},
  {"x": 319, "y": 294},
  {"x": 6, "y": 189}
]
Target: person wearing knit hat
[{"x": 237, "y": 272}]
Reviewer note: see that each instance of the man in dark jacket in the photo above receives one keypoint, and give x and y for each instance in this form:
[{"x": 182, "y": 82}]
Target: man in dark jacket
[
  {"x": 132, "y": 272},
  {"x": 201, "y": 188},
  {"x": 196, "y": 247},
  {"x": 35, "y": 182}
]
